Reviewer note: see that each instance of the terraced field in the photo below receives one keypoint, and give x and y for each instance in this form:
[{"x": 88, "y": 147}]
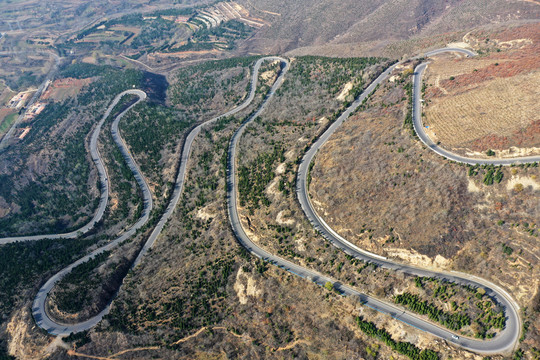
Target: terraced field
[
  {"x": 499, "y": 106},
  {"x": 478, "y": 104}
]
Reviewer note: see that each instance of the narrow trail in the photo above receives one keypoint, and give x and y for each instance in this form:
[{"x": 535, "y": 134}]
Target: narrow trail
[{"x": 183, "y": 340}]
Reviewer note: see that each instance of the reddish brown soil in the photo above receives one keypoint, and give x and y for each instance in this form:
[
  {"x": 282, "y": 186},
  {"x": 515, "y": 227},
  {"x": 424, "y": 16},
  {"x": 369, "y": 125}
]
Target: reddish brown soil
[
  {"x": 521, "y": 60},
  {"x": 530, "y": 31},
  {"x": 528, "y": 137},
  {"x": 503, "y": 70}
]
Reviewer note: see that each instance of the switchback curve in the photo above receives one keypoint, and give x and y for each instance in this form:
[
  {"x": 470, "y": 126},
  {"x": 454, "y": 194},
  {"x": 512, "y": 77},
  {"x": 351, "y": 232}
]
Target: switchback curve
[
  {"x": 38, "y": 309},
  {"x": 102, "y": 174},
  {"x": 419, "y": 128},
  {"x": 502, "y": 343}
]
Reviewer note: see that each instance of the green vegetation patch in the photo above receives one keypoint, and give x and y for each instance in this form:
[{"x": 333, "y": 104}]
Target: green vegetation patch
[
  {"x": 196, "y": 85},
  {"x": 254, "y": 178},
  {"x": 472, "y": 312},
  {"x": 402, "y": 347},
  {"x": 148, "y": 129},
  {"x": 73, "y": 300},
  {"x": 25, "y": 265},
  {"x": 332, "y": 73},
  {"x": 8, "y": 121},
  {"x": 453, "y": 321},
  {"x": 490, "y": 173},
  {"x": 56, "y": 198}
]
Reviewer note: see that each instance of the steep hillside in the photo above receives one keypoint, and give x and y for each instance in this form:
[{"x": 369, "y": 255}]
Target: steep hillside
[
  {"x": 380, "y": 188},
  {"x": 487, "y": 105},
  {"x": 352, "y": 28}
]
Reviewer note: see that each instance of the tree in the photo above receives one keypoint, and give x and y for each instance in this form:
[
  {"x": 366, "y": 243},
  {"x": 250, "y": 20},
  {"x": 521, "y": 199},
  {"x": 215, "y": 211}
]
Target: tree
[{"x": 329, "y": 286}]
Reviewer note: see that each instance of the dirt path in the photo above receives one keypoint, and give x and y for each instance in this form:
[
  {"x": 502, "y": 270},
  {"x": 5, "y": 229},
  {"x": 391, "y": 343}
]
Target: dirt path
[
  {"x": 293, "y": 344},
  {"x": 112, "y": 357},
  {"x": 183, "y": 340}
]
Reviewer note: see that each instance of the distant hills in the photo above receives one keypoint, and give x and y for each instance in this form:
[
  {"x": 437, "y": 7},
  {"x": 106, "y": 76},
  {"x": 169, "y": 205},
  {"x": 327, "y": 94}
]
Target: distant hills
[{"x": 342, "y": 27}]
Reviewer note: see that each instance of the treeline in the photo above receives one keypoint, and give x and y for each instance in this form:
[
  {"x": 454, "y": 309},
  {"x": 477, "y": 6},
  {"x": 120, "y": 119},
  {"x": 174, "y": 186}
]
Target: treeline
[
  {"x": 453, "y": 321},
  {"x": 402, "y": 347}
]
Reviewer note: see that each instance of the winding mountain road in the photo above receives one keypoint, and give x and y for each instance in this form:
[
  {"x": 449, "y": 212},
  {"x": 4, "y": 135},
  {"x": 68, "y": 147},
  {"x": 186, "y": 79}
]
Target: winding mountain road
[
  {"x": 186, "y": 151},
  {"x": 420, "y": 131},
  {"x": 104, "y": 181},
  {"x": 502, "y": 343},
  {"x": 39, "y": 311}
]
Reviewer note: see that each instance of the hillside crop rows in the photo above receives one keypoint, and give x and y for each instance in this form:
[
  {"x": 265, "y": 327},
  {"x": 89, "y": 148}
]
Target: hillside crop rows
[{"x": 500, "y": 106}]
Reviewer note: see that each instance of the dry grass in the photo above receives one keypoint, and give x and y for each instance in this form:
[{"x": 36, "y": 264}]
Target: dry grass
[
  {"x": 499, "y": 106},
  {"x": 447, "y": 65},
  {"x": 489, "y": 101},
  {"x": 389, "y": 185}
]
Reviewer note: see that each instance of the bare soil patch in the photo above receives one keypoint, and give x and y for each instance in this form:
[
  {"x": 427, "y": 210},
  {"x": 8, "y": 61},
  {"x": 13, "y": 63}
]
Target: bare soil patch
[{"x": 62, "y": 89}]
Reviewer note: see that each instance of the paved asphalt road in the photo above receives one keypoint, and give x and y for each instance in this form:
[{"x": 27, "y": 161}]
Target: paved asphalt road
[
  {"x": 186, "y": 151},
  {"x": 419, "y": 128},
  {"x": 96, "y": 158},
  {"x": 38, "y": 309},
  {"x": 502, "y": 343}
]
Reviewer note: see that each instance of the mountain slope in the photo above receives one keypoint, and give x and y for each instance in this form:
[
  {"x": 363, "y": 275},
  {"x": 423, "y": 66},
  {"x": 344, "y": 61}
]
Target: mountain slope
[{"x": 316, "y": 26}]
